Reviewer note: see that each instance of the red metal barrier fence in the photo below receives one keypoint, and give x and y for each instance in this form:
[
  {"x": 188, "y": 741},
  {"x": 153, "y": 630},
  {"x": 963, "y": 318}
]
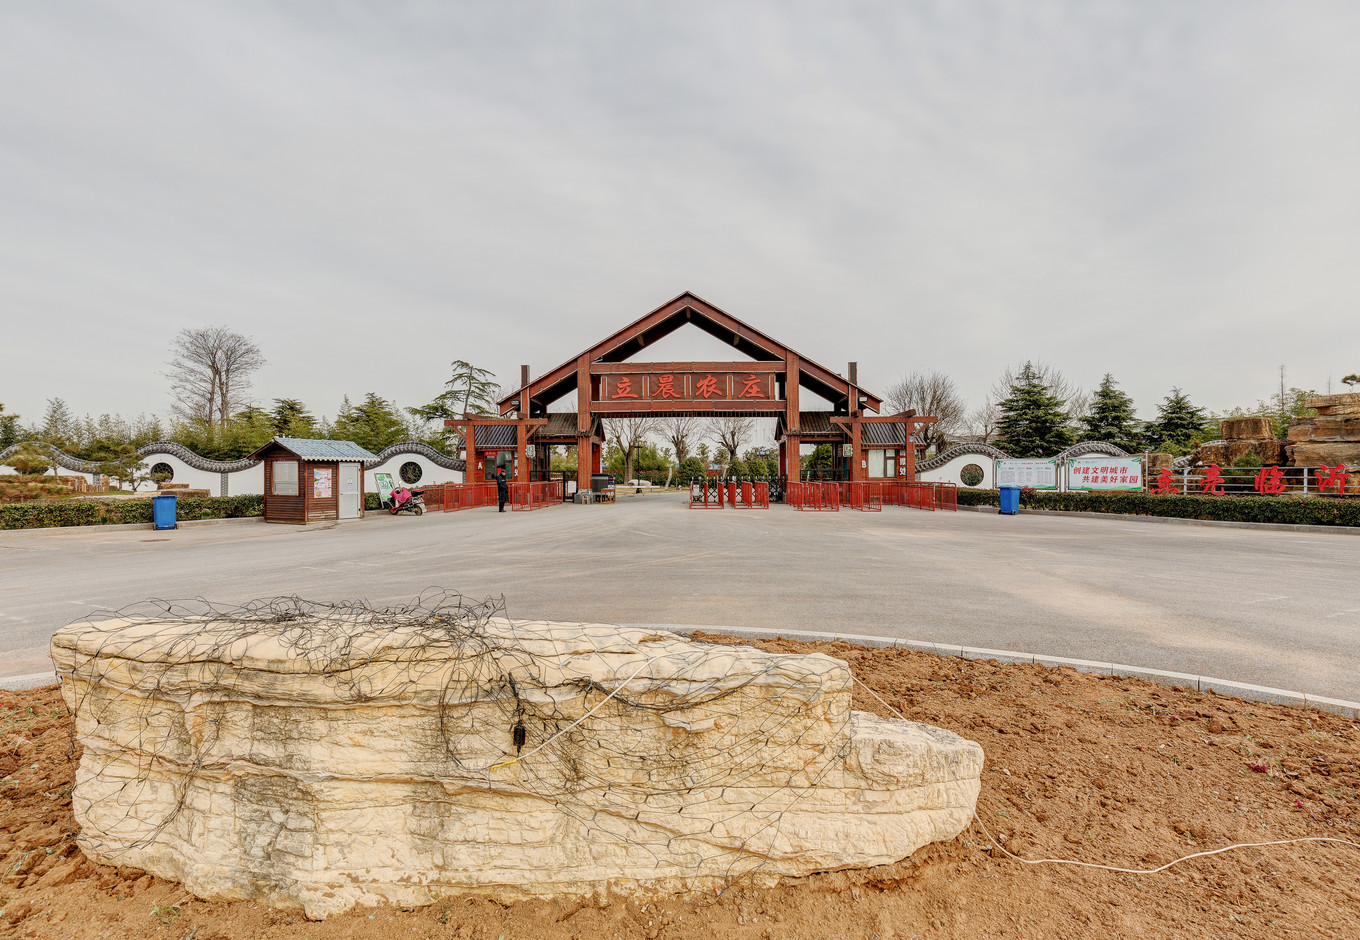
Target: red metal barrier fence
[
  {"x": 864, "y": 496},
  {"x": 529, "y": 496},
  {"x": 872, "y": 496},
  {"x": 814, "y": 497},
  {"x": 451, "y": 497},
  {"x": 705, "y": 494}
]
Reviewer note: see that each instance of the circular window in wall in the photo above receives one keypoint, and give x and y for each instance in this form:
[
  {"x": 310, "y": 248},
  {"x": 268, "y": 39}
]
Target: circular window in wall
[
  {"x": 971, "y": 475},
  {"x": 410, "y": 472},
  {"x": 162, "y": 473}
]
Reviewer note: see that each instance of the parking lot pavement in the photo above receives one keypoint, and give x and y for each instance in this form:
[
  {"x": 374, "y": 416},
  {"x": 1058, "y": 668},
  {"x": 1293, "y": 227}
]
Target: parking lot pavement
[{"x": 1266, "y": 607}]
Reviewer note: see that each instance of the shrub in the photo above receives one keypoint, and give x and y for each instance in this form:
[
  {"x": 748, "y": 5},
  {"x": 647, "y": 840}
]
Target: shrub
[
  {"x": 1312, "y": 510},
  {"x": 45, "y": 514}
]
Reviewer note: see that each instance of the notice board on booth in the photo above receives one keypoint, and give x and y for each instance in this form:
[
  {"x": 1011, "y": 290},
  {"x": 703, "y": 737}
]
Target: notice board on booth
[
  {"x": 1036, "y": 474},
  {"x": 322, "y": 483}
]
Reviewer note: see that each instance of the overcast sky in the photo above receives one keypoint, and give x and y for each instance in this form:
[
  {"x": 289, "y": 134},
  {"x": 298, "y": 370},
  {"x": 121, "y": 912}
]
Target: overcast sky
[{"x": 1167, "y": 191}]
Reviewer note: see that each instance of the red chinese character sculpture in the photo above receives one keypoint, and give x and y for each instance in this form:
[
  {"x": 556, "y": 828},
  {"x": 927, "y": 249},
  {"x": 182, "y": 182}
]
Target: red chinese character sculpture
[
  {"x": 1269, "y": 481},
  {"x": 1213, "y": 481},
  {"x": 624, "y": 389},
  {"x": 1164, "y": 484},
  {"x": 707, "y": 387},
  {"x": 752, "y": 388},
  {"x": 665, "y": 387},
  {"x": 1332, "y": 478}
]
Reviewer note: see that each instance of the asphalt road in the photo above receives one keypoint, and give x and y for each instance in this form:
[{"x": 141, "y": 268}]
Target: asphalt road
[{"x": 1265, "y": 607}]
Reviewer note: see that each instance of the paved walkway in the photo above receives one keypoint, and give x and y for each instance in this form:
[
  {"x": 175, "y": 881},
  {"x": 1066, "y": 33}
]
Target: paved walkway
[{"x": 1265, "y": 607}]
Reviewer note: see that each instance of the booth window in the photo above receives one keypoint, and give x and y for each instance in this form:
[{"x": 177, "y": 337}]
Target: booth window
[
  {"x": 285, "y": 478},
  {"x": 882, "y": 463}
]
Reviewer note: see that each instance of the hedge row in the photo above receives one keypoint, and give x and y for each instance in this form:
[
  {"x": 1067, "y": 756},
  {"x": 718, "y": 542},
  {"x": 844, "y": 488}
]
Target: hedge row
[
  {"x": 66, "y": 512},
  {"x": 1312, "y": 510}
]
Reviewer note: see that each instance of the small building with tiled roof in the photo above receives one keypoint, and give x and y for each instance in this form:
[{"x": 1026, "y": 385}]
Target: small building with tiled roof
[{"x": 311, "y": 480}]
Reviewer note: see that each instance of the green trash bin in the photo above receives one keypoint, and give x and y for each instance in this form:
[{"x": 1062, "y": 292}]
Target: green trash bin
[{"x": 163, "y": 510}]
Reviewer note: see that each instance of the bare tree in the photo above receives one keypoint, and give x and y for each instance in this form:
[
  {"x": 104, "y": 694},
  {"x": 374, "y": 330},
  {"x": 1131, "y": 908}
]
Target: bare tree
[
  {"x": 629, "y": 434},
  {"x": 210, "y": 370},
  {"x": 984, "y": 420},
  {"x": 680, "y": 431},
  {"x": 930, "y": 394},
  {"x": 731, "y": 431}
]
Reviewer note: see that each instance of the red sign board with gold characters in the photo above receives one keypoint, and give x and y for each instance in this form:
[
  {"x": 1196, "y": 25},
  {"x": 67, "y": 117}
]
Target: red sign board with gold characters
[{"x": 619, "y": 387}]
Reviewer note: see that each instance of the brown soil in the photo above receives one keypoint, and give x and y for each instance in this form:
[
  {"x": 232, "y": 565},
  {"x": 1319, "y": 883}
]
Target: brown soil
[{"x": 1115, "y": 771}]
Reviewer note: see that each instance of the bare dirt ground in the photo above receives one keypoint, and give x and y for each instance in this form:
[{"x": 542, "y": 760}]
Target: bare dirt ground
[{"x": 1119, "y": 772}]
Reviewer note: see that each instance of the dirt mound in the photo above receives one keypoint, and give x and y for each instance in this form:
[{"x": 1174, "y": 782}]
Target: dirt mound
[{"x": 1113, "y": 771}]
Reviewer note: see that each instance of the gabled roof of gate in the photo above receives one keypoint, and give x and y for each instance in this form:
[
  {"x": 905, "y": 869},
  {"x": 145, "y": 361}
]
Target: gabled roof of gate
[{"x": 688, "y": 308}]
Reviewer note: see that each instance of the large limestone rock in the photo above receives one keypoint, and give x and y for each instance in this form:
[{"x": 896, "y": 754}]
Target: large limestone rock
[
  {"x": 1331, "y": 437},
  {"x": 324, "y": 760},
  {"x": 1345, "y": 404},
  {"x": 1225, "y": 453},
  {"x": 1247, "y": 429}
]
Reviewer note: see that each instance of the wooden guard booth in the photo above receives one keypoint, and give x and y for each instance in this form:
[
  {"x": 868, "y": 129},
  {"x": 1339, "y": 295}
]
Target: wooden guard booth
[
  {"x": 607, "y": 383},
  {"x": 309, "y": 480}
]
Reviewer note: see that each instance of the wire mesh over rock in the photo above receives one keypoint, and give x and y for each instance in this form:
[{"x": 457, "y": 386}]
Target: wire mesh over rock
[{"x": 327, "y": 755}]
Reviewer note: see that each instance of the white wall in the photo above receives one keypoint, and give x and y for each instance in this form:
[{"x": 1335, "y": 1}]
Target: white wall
[
  {"x": 430, "y": 472},
  {"x": 183, "y": 473},
  {"x": 949, "y": 473}
]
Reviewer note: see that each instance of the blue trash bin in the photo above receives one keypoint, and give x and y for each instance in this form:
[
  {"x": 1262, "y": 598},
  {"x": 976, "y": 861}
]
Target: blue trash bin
[
  {"x": 163, "y": 510},
  {"x": 1010, "y": 500}
]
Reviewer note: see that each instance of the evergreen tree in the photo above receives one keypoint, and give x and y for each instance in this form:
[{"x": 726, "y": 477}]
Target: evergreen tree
[
  {"x": 60, "y": 427},
  {"x": 1179, "y": 425},
  {"x": 373, "y": 424},
  {"x": 470, "y": 390},
  {"x": 691, "y": 468},
  {"x": 1111, "y": 418},
  {"x": 292, "y": 419},
  {"x": 9, "y": 428},
  {"x": 1033, "y": 422}
]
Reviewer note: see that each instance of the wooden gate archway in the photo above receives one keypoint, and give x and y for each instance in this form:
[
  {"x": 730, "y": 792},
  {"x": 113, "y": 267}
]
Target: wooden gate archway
[{"x": 607, "y": 382}]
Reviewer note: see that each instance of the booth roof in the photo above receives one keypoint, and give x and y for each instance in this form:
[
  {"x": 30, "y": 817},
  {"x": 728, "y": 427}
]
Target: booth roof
[{"x": 305, "y": 448}]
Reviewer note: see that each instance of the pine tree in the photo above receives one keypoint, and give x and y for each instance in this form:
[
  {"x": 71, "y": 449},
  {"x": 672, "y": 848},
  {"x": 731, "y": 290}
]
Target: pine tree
[
  {"x": 60, "y": 427},
  {"x": 373, "y": 424},
  {"x": 9, "y": 428},
  {"x": 1111, "y": 418},
  {"x": 292, "y": 419},
  {"x": 1179, "y": 424},
  {"x": 1033, "y": 422},
  {"x": 470, "y": 390}
]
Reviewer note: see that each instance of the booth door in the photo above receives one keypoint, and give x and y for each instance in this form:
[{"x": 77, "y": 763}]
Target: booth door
[{"x": 351, "y": 497}]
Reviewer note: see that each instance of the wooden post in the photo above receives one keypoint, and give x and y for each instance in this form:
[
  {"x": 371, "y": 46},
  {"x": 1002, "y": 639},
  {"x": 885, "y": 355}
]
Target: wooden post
[
  {"x": 858, "y": 471},
  {"x": 585, "y": 447},
  {"x": 521, "y": 458},
  {"x": 793, "y": 467}
]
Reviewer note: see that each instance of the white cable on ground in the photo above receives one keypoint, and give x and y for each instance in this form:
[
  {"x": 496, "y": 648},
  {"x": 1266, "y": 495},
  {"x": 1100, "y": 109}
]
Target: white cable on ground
[{"x": 1125, "y": 871}]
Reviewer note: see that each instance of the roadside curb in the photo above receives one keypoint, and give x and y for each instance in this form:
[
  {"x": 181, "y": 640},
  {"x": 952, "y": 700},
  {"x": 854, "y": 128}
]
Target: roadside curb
[
  {"x": 37, "y": 680},
  {"x": 1175, "y": 520},
  {"x": 1257, "y": 693},
  {"x": 124, "y": 526}
]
